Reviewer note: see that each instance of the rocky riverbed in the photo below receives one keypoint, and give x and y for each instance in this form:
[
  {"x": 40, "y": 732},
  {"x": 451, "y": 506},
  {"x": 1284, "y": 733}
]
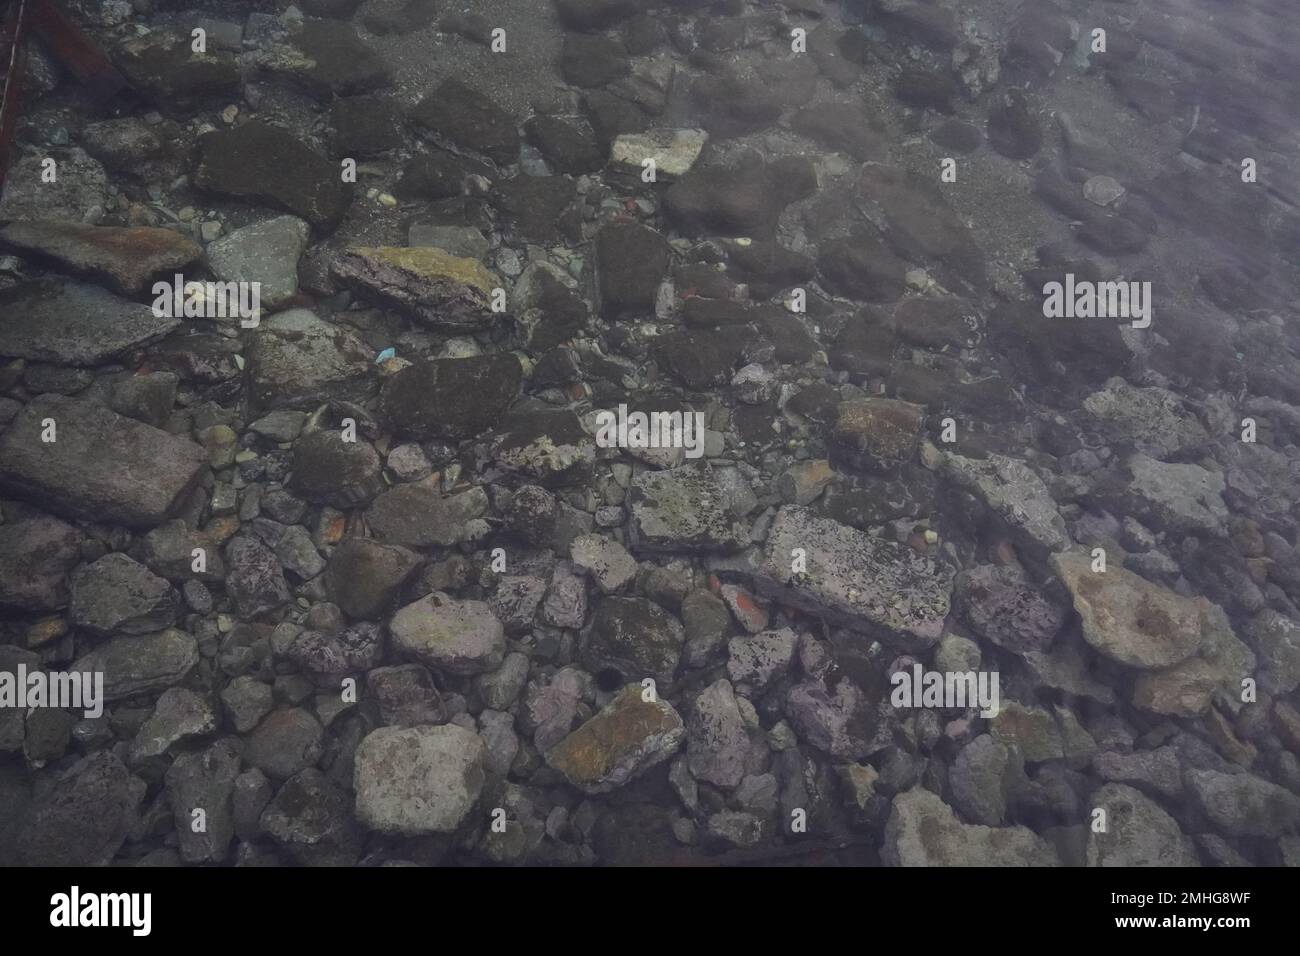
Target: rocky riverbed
[{"x": 361, "y": 586}]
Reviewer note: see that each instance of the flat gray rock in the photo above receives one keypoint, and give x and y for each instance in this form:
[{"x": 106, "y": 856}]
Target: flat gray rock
[
  {"x": 72, "y": 323},
  {"x": 124, "y": 258},
  {"x": 102, "y": 466},
  {"x": 139, "y": 664},
  {"x": 118, "y": 594},
  {"x": 1152, "y": 420},
  {"x": 1242, "y": 804},
  {"x": 1013, "y": 492},
  {"x": 682, "y": 509},
  {"x": 853, "y": 579},
  {"x": 717, "y": 743},
  {"x": 265, "y": 252},
  {"x": 1180, "y": 498}
]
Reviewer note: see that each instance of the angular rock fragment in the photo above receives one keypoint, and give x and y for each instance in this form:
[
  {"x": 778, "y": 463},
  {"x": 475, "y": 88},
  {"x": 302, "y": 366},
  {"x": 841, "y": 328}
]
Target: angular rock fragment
[
  {"x": 164, "y": 64},
  {"x": 980, "y": 780},
  {"x": 143, "y": 475},
  {"x": 312, "y": 820},
  {"x": 35, "y": 557},
  {"x": 451, "y": 398},
  {"x": 468, "y": 119},
  {"x": 549, "y": 446},
  {"x": 717, "y": 741},
  {"x": 568, "y": 147},
  {"x": 878, "y": 433},
  {"x": 922, "y": 830},
  {"x": 1138, "y": 832},
  {"x": 263, "y": 163},
  {"x": 266, "y": 253},
  {"x": 117, "y": 594},
  {"x": 255, "y": 578},
  {"x": 626, "y": 738},
  {"x": 417, "y": 515},
  {"x": 432, "y": 286},
  {"x": 329, "y": 59},
  {"x": 1014, "y": 494},
  {"x": 853, "y": 579},
  {"x": 1157, "y": 771},
  {"x": 631, "y": 261},
  {"x": 759, "y": 659},
  {"x": 85, "y": 819},
  {"x": 840, "y": 719},
  {"x": 352, "y": 649},
  {"x": 1153, "y": 420},
  {"x": 205, "y": 781},
  {"x": 124, "y": 258},
  {"x": 168, "y": 550},
  {"x": 1243, "y": 804},
  {"x": 70, "y": 323},
  {"x": 682, "y": 509},
  {"x": 605, "y": 559},
  {"x": 1033, "y": 731},
  {"x": 78, "y": 195},
  {"x": 1001, "y": 605},
  {"x": 406, "y": 694},
  {"x": 137, "y": 665},
  {"x": 364, "y": 576},
  {"x": 297, "y": 360},
  {"x": 636, "y": 639},
  {"x": 672, "y": 151},
  {"x": 1128, "y": 618},
  {"x": 1184, "y": 498},
  {"x": 1276, "y": 640}
]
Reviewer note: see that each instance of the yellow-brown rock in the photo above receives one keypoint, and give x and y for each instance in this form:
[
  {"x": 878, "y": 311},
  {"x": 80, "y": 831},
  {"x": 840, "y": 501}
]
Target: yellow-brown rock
[{"x": 625, "y": 739}]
